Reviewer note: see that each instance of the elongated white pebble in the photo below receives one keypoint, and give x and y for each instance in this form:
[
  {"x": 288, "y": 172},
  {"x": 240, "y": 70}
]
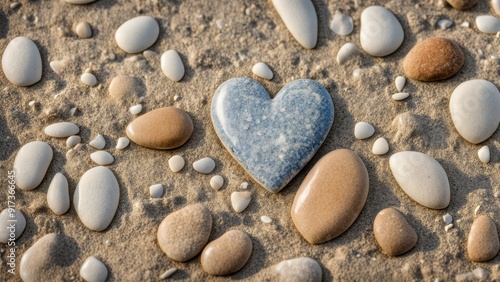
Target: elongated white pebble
[
  {"x": 488, "y": 24},
  {"x": 400, "y": 96},
  {"x": 156, "y": 190},
  {"x": 122, "y": 143},
  {"x": 263, "y": 71},
  {"x": 495, "y": 4},
  {"x": 172, "y": 66},
  {"x": 135, "y": 110},
  {"x": 61, "y": 129},
  {"x": 205, "y": 165},
  {"x": 380, "y": 147},
  {"x": 240, "y": 200},
  {"x": 216, "y": 182},
  {"x": 89, "y": 79},
  {"x": 176, "y": 163},
  {"x": 73, "y": 140},
  {"x": 93, "y": 270},
  {"x": 266, "y": 219},
  {"x": 341, "y": 24},
  {"x": 363, "y": 130},
  {"x": 400, "y": 82},
  {"x": 83, "y": 30},
  {"x": 137, "y": 34},
  {"x": 484, "y": 154},
  {"x": 98, "y": 142},
  {"x": 168, "y": 273},
  {"x": 21, "y": 62},
  {"x": 5, "y": 221},
  {"x": 447, "y": 218},
  {"x": 305, "y": 30},
  {"x": 102, "y": 158},
  {"x": 58, "y": 66},
  {"x": 58, "y": 194},
  {"x": 346, "y": 52}
]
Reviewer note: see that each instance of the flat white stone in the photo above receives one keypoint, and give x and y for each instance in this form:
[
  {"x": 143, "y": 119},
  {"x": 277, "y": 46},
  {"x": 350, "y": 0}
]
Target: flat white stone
[
  {"x": 176, "y": 163},
  {"x": 88, "y": 79},
  {"x": 62, "y": 129},
  {"x": 31, "y": 164},
  {"x": 122, "y": 143},
  {"x": 381, "y": 32},
  {"x": 98, "y": 142},
  {"x": 149, "y": 54},
  {"x": 205, "y": 165},
  {"x": 495, "y": 4},
  {"x": 465, "y": 24},
  {"x": 137, "y": 34},
  {"x": 58, "y": 66},
  {"x": 474, "y": 110},
  {"x": 83, "y": 30},
  {"x": 96, "y": 198},
  {"x": 363, "y": 130},
  {"x": 346, "y": 52},
  {"x": 172, "y": 66},
  {"x": 244, "y": 185},
  {"x": 263, "y": 71},
  {"x": 400, "y": 96},
  {"x": 21, "y": 62},
  {"x": 444, "y": 24},
  {"x": 168, "y": 273},
  {"x": 102, "y": 158},
  {"x": 488, "y": 24},
  {"x": 156, "y": 190},
  {"x": 400, "y": 82},
  {"x": 93, "y": 270},
  {"x": 447, "y": 218},
  {"x": 305, "y": 30},
  {"x": 266, "y": 219},
  {"x": 216, "y": 182},
  {"x": 240, "y": 200},
  {"x": 422, "y": 178},
  {"x": 58, "y": 194},
  {"x": 220, "y": 23},
  {"x": 380, "y": 146},
  {"x": 484, "y": 154},
  {"x": 135, "y": 110},
  {"x": 79, "y": 2},
  {"x": 298, "y": 269},
  {"x": 341, "y": 24},
  {"x": 6, "y": 222},
  {"x": 73, "y": 140}
]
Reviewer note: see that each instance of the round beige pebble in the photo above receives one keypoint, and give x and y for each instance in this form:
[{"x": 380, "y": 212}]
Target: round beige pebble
[
  {"x": 393, "y": 233},
  {"x": 483, "y": 243}
]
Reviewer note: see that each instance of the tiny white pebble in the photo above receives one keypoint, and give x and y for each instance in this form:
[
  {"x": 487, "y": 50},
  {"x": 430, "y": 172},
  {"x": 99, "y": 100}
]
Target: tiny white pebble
[
  {"x": 244, "y": 185},
  {"x": 122, "y": 143},
  {"x": 168, "y": 273},
  {"x": 216, "y": 182},
  {"x": 476, "y": 210},
  {"x": 484, "y": 154},
  {"x": 448, "y": 227},
  {"x": 220, "y": 23},
  {"x": 447, "y": 218},
  {"x": 15, "y": 5},
  {"x": 444, "y": 24},
  {"x": 266, "y": 219},
  {"x": 32, "y": 103},
  {"x": 98, "y": 142},
  {"x": 465, "y": 24},
  {"x": 176, "y": 163},
  {"x": 156, "y": 190},
  {"x": 135, "y": 110},
  {"x": 400, "y": 96},
  {"x": 73, "y": 140},
  {"x": 400, "y": 82},
  {"x": 380, "y": 147},
  {"x": 356, "y": 73},
  {"x": 205, "y": 165},
  {"x": 346, "y": 52},
  {"x": 177, "y": 98},
  {"x": 142, "y": 98},
  {"x": 363, "y": 130},
  {"x": 149, "y": 53},
  {"x": 88, "y": 79},
  {"x": 262, "y": 70}
]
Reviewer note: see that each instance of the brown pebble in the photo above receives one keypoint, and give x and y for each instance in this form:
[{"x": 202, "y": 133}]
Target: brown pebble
[
  {"x": 183, "y": 234},
  {"x": 462, "y": 4},
  {"x": 483, "y": 243},
  {"x": 164, "y": 128},
  {"x": 331, "y": 196},
  {"x": 433, "y": 59},
  {"x": 124, "y": 90},
  {"x": 227, "y": 254},
  {"x": 393, "y": 233}
]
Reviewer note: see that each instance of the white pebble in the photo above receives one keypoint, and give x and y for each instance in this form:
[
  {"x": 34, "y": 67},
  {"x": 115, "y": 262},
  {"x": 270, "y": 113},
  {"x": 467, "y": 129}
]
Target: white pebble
[
  {"x": 266, "y": 219},
  {"x": 216, "y": 182},
  {"x": 496, "y": 6},
  {"x": 220, "y": 23},
  {"x": 122, "y": 143},
  {"x": 168, "y": 273},
  {"x": 244, "y": 185},
  {"x": 135, "y": 110},
  {"x": 172, "y": 66},
  {"x": 363, "y": 130},
  {"x": 32, "y": 103},
  {"x": 73, "y": 140},
  {"x": 5, "y": 217},
  {"x": 177, "y": 97},
  {"x": 341, "y": 24},
  {"x": 400, "y": 96},
  {"x": 137, "y": 34},
  {"x": 83, "y": 30},
  {"x": 58, "y": 66},
  {"x": 102, "y": 158},
  {"x": 240, "y": 200},
  {"x": 484, "y": 154},
  {"x": 263, "y": 71},
  {"x": 444, "y": 24},
  {"x": 447, "y": 218},
  {"x": 205, "y": 165},
  {"x": 156, "y": 190},
  {"x": 93, "y": 270},
  {"x": 61, "y": 129},
  {"x": 149, "y": 54},
  {"x": 476, "y": 210},
  {"x": 356, "y": 73},
  {"x": 488, "y": 24},
  {"x": 346, "y": 52},
  {"x": 380, "y": 147},
  {"x": 21, "y": 62},
  {"x": 448, "y": 227},
  {"x": 89, "y": 79},
  {"x": 58, "y": 194},
  {"x": 381, "y": 32},
  {"x": 481, "y": 273},
  {"x": 465, "y": 24},
  {"x": 176, "y": 163},
  {"x": 98, "y": 142},
  {"x": 305, "y": 30},
  {"x": 15, "y": 5},
  {"x": 400, "y": 82}
]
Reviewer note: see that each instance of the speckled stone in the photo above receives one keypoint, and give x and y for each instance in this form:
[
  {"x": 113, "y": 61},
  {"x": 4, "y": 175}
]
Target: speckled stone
[
  {"x": 393, "y": 233},
  {"x": 462, "y": 4},
  {"x": 331, "y": 196},
  {"x": 483, "y": 243},
  {"x": 272, "y": 139},
  {"x": 302, "y": 269},
  {"x": 433, "y": 59},
  {"x": 183, "y": 234},
  {"x": 227, "y": 254}
]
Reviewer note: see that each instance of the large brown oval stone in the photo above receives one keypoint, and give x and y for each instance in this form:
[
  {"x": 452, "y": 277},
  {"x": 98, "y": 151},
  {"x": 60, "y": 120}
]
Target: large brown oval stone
[
  {"x": 331, "y": 196},
  {"x": 393, "y": 233},
  {"x": 483, "y": 243},
  {"x": 433, "y": 59},
  {"x": 164, "y": 128}
]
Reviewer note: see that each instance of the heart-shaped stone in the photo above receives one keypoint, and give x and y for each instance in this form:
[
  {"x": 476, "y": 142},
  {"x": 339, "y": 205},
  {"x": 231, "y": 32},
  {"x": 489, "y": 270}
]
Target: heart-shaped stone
[{"x": 273, "y": 139}]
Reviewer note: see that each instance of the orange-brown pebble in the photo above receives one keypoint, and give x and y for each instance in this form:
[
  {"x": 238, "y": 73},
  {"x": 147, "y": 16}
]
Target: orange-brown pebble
[
  {"x": 483, "y": 243},
  {"x": 227, "y": 254},
  {"x": 393, "y": 233},
  {"x": 462, "y": 4},
  {"x": 433, "y": 59},
  {"x": 124, "y": 90},
  {"x": 164, "y": 128},
  {"x": 331, "y": 196}
]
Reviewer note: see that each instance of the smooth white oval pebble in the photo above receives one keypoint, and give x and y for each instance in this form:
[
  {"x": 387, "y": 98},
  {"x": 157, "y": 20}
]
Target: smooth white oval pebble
[
  {"x": 447, "y": 218},
  {"x": 305, "y": 30},
  {"x": 205, "y": 165},
  {"x": 21, "y": 62},
  {"x": 346, "y": 52},
  {"x": 135, "y": 110},
  {"x": 266, "y": 219},
  {"x": 484, "y": 154},
  {"x": 31, "y": 164},
  {"x": 400, "y": 82},
  {"x": 96, "y": 198},
  {"x": 474, "y": 110},
  {"x": 381, "y": 32},
  {"x": 496, "y": 6},
  {"x": 137, "y": 34},
  {"x": 98, "y": 142},
  {"x": 341, "y": 24},
  {"x": 88, "y": 79},
  {"x": 156, "y": 190},
  {"x": 6, "y": 222},
  {"x": 168, "y": 273},
  {"x": 83, "y": 30},
  {"x": 380, "y": 146},
  {"x": 93, "y": 270},
  {"x": 62, "y": 129},
  {"x": 422, "y": 178},
  {"x": 488, "y": 24},
  {"x": 79, "y": 2},
  {"x": 262, "y": 70},
  {"x": 176, "y": 163},
  {"x": 216, "y": 182},
  {"x": 240, "y": 200},
  {"x": 58, "y": 66},
  {"x": 73, "y": 140},
  {"x": 58, "y": 194},
  {"x": 122, "y": 143},
  {"x": 172, "y": 66},
  {"x": 400, "y": 96},
  {"x": 363, "y": 130},
  {"x": 102, "y": 158}
]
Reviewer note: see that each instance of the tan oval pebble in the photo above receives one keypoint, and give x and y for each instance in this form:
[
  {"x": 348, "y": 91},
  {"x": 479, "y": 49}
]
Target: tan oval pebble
[
  {"x": 183, "y": 234},
  {"x": 331, "y": 196},
  {"x": 83, "y": 30},
  {"x": 462, "y": 4},
  {"x": 124, "y": 90},
  {"x": 393, "y": 233},
  {"x": 433, "y": 59},
  {"x": 483, "y": 243},
  {"x": 164, "y": 128},
  {"x": 227, "y": 254}
]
